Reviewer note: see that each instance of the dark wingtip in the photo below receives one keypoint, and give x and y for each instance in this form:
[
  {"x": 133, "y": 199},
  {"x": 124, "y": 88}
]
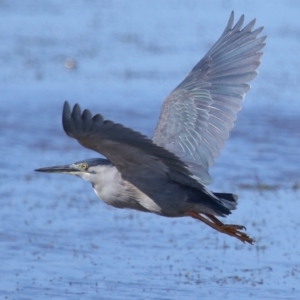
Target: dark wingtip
[
  {"x": 76, "y": 112},
  {"x": 66, "y": 117},
  {"x": 86, "y": 115},
  {"x": 66, "y": 109}
]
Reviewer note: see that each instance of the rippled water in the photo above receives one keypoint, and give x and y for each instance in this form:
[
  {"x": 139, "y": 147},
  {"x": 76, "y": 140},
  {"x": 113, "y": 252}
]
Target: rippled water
[{"x": 58, "y": 241}]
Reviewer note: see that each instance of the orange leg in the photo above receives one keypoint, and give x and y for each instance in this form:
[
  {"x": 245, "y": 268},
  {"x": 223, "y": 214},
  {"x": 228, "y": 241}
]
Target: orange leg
[{"x": 230, "y": 229}]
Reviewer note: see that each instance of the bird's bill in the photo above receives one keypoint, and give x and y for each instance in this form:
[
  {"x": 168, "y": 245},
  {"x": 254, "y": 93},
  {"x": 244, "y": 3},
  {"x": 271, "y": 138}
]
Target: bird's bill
[{"x": 67, "y": 169}]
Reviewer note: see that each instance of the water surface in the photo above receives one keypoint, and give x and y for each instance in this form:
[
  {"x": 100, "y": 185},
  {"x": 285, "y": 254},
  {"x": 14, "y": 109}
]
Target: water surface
[{"x": 58, "y": 241}]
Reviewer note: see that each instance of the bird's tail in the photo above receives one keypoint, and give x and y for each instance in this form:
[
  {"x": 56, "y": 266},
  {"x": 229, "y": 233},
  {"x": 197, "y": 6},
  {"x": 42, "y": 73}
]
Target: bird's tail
[
  {"x": 228, "y": 200},
  {"x": 218, "y": 204}
]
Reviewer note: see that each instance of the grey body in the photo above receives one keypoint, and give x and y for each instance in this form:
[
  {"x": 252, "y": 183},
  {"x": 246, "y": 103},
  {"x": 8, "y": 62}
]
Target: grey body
[
  {"x": 164, "y": 197},
  {"x": 120, "y": 193},
  {"x": 168, "y": 174}
]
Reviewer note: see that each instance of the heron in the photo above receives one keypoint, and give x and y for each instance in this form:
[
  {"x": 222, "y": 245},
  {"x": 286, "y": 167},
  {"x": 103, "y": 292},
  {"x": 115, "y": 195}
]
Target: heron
[{"x": 168, "y": 175}]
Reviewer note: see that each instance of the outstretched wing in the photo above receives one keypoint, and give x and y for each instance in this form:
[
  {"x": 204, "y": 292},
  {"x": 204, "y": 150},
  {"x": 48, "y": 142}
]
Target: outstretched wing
[
  {"x": 197, "y": 116},
  {"x": 136, "y": 157}
]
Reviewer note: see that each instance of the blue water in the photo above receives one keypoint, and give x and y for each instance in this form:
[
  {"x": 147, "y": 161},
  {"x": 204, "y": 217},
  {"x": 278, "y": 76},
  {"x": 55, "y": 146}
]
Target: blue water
[{"x": 121, "y": 59}]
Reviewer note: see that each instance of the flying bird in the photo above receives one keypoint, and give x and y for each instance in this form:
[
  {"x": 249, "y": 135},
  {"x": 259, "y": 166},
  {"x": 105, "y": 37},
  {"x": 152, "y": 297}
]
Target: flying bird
[{"x": 168, "y": 174}]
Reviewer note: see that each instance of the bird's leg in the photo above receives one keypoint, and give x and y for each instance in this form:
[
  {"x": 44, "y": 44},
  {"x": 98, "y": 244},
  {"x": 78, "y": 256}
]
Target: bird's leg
[{"x": 230, "y": 229}]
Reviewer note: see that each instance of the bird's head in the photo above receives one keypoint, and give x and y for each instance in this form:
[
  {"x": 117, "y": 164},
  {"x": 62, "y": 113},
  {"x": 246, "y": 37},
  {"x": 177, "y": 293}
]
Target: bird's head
[{"x": 86, "y": 169}]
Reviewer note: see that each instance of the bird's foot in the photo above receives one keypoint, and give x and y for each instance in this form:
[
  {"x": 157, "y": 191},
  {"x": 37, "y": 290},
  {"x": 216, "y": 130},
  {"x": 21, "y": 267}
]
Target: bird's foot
[
  {"x": 230, "y": 229},
  {"x": 235, "y": 231}
]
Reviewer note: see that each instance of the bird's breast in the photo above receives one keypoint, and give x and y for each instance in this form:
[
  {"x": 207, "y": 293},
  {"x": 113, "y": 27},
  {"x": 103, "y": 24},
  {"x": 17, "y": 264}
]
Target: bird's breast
[{"x": 125, "y": 195}]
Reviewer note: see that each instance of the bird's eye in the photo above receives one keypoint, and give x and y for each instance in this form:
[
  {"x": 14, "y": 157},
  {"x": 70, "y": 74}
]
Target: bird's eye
[{"x": 84, "y": 166}]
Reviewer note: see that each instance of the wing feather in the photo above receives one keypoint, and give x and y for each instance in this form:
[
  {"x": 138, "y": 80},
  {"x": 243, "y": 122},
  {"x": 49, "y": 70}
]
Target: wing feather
[
  {"x": 197, "y": 116},
  {"x": 134, "y": 155}
]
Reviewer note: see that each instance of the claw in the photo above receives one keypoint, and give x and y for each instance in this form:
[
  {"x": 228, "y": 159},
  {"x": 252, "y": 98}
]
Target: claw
[
  {"x": 238, "y": 227},
  {"x": 234, "y": 230},
  {"x": 230, "y": 229}
]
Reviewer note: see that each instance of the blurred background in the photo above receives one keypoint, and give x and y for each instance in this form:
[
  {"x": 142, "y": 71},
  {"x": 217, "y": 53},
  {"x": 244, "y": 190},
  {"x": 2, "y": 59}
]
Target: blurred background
[{"x": 121, "y": 59}]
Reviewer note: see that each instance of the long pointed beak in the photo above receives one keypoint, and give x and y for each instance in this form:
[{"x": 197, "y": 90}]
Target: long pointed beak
[{"x": 59, "y": 169}]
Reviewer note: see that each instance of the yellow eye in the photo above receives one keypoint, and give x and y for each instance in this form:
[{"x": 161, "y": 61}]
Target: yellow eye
[{"x": 84, "y": 166}]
